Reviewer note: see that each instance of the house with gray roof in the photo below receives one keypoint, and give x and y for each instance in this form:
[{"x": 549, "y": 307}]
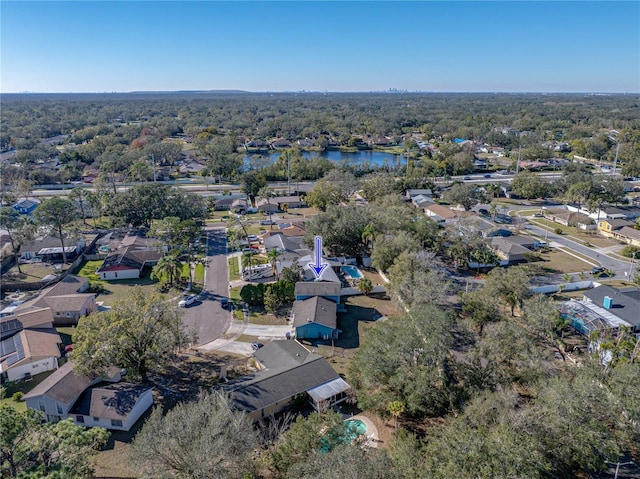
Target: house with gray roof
[
  {"x": 509, "y": 252},
  {"x": 282, "y": 243},
  {"x": 66, "y": 299},
  {"x": 55, "y": 396},
  {"x": 315, "y": 318},
  {"x": 114, "y": 406},
  {"x": 326, "y": 289},
  {"x": 90, "y": 402},
  {"x": 604, "y": 307},
  {"x": 286, "y": 369}
]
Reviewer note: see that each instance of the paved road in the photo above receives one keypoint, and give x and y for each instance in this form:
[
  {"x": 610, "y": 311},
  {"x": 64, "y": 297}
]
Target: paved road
[{"x": 206, "y": 317}]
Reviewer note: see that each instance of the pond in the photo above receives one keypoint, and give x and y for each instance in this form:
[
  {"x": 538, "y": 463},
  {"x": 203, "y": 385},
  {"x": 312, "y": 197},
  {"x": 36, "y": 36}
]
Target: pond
[{"x": 361, "y": 158}]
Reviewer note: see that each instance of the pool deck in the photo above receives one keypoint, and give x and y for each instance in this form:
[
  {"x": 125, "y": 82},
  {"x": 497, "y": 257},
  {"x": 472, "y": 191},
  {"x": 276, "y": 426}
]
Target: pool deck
[{"x": 372, "y": 430}]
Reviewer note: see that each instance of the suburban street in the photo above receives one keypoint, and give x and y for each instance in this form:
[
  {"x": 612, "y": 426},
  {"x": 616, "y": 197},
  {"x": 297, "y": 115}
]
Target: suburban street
[{"x": 206, "y": 317}]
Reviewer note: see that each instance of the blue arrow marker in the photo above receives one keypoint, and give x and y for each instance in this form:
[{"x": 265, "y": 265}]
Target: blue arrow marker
[{"x": 319, "y": 266}]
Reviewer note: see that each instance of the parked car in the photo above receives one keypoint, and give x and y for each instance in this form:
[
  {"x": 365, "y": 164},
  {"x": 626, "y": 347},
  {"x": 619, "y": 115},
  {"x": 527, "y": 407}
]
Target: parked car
[
  {"x": 256, "y": 346},
  {"x": 224, "y": 302},
  {"x": 267, "y": 222},
  {"x": 187, "y": 301},
  {"x": 597, "y": 270},
  {"x": 466, "y": 178}
]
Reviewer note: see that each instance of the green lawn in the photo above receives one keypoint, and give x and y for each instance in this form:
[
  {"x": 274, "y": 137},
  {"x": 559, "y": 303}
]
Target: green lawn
[
  {"x": 198, "y": 274},
  {"x": 114, "y": 290},
  {"x": 233, "y": 268},
  {"x": 66, "y": 334},
  {"x": 23, "y": 387}
]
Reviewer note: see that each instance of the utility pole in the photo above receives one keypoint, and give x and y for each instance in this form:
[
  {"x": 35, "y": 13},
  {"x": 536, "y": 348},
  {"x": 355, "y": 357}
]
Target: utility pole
[
  {"x": 618, "y": 464},
  {"x": 615, "y": 162},
  {"x": 633, "y": 257},
  {"x": 288, "y": 173}
]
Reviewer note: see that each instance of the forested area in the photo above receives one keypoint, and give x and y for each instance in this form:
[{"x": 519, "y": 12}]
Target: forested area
[{"x": 125, "y": 136}]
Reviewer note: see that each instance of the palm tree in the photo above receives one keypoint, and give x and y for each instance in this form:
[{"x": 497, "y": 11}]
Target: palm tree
[
  {"x": 169, "y": 266},
  {"x": 272, "y": 256},
  {"x": 365, "y": 286},
  {"x": 396, "y": 408},
  {"x": 368, "y": 235},
  {"x": 247, "y": 260}
]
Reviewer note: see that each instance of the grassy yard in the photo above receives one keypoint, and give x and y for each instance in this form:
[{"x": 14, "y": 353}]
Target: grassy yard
[
  {"x": 23, "y": 387},
  {"x": 234, "y": 274},
  {"x": 556, "y": 261},
  {"x": 198, "y": 273},
  {"x": 31, "y": 272},
  {"x": 114, "y": 290}
]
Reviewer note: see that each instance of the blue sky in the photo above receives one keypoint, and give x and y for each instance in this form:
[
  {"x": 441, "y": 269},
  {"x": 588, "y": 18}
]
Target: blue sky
[{"x": 90, "y": 46}]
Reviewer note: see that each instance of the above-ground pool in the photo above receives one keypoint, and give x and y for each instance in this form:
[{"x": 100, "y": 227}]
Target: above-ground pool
[
  {"x": 353, "y": 428},
  {"x": 352, "y": 272}
]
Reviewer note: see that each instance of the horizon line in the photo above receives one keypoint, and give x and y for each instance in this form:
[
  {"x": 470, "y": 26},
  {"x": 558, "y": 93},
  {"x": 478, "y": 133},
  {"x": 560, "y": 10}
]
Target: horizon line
[{"x": 390, "y": 90}]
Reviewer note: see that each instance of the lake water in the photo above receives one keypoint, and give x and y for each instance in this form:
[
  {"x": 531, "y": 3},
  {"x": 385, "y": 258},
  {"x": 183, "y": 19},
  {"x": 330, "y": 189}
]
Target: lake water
[{"x": 360, "y": 158}]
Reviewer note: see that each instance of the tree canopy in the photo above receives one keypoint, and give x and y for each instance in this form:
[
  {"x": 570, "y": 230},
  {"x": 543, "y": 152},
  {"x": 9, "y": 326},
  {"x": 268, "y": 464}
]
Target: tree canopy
[
  {"x": 31, "y": 449},
  {"x": 139, "y": 333},
  {"x": 194, "y": 440}
]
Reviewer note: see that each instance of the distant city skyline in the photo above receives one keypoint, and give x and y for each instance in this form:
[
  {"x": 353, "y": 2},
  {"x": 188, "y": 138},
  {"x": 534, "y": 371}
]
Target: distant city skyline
[{"x": 333, "y": 46}]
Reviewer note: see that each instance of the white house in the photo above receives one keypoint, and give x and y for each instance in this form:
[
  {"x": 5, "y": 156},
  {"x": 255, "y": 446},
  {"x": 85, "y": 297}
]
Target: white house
[
  {"x": 112, "y": 406},
  {"x": 55, "y": 396},
  {"x": 28, "y": 345},
  {"x": 90, "y": 402}
]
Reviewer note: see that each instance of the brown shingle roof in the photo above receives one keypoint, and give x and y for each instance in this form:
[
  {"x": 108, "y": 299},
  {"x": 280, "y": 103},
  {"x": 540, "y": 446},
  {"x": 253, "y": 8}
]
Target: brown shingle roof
[
  {"x": 441, "y": 211},
  {"x": 36, "y": 317},
  {"x": 64, "y": 385}
]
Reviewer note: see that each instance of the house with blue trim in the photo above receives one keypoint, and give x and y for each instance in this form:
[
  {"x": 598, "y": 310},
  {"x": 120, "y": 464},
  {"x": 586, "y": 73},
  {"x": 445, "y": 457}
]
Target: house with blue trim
[
  {"x": 315, "y": 318},
  {"x": 26, "y": 206}
]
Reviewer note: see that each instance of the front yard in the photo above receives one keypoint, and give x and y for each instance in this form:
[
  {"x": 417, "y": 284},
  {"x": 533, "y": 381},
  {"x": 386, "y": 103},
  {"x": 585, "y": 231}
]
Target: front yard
[{"x": 113, "y": 291}]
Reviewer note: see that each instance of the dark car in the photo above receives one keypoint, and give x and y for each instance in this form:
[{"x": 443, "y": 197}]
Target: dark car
[
  {"x": 484, "y": 211},
  {"x": 256, "y": 346},
  {"x": 487, "y": 176},
  {"x": 224, "y": 302},
  {"x": 597, "y": 270}
]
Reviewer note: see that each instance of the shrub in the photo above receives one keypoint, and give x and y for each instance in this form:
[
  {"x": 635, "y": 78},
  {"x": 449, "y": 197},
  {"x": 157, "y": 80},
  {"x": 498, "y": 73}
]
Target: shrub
[
  {"x": 629, "y": 251},
  {"x": 17, "y": 396},
  {"x": 558, "y": 231}
]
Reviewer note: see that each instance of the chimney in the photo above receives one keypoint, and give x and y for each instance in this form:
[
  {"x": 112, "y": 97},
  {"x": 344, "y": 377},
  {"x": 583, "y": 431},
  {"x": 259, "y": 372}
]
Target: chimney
[{"x": 608, "y": 302}]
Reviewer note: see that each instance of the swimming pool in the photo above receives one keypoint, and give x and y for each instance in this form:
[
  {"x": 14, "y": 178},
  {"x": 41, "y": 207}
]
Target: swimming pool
[
  {"x": 353, "y": 428},
  {"x": 352, "y": 272}
]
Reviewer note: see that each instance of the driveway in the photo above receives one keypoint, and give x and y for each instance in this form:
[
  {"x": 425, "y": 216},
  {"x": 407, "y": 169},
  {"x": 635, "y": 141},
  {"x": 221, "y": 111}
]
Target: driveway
[{"x": 206, "y": 317}]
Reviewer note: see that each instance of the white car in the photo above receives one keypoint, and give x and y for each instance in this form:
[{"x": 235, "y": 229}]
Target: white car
[{"x": 187, "y": 300}]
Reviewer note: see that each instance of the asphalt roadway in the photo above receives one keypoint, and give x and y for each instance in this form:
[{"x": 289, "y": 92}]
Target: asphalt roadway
[{"x": 206, "y": 317}]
